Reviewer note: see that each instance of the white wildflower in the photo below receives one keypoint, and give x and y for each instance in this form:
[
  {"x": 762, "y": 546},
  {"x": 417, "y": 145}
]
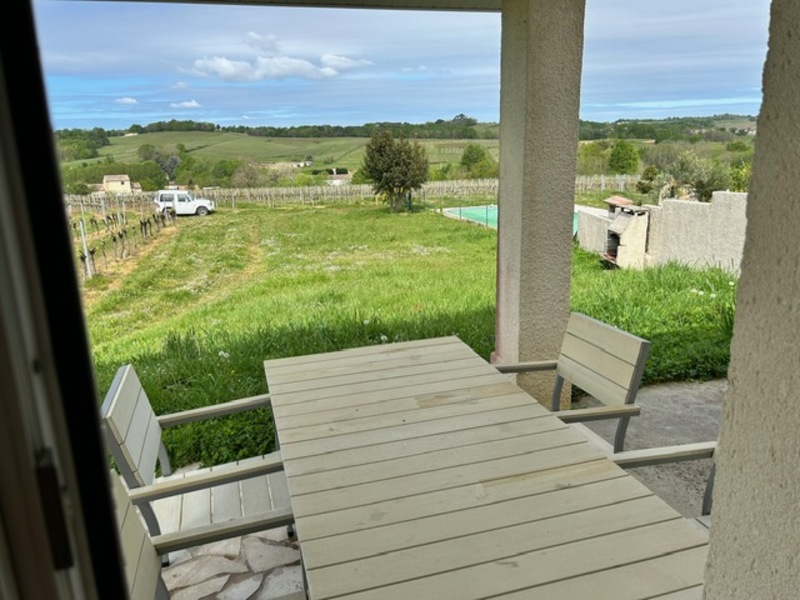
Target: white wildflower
[{"x": 384, "y": 339}]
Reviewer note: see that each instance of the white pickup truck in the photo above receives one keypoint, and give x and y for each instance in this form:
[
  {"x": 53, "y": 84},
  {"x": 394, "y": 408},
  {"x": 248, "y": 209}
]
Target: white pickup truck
[{"x": 181, "y": 202}]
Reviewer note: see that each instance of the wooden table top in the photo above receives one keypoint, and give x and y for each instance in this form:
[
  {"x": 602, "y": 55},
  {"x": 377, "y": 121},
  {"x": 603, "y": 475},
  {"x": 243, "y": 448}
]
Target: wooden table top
[{"x": 417, "y": 471}]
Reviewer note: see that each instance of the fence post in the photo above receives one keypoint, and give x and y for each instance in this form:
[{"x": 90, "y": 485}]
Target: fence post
[{"x": 85, "y": 249}]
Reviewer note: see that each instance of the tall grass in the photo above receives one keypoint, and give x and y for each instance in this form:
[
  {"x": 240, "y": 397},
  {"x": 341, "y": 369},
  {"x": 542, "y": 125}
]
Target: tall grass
[
  {"x": 203, "y": 305},
  {"x": 684, "y": 312}
]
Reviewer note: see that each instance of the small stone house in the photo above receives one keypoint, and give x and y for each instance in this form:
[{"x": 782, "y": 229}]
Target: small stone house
[{"x": 118, "y": 184}]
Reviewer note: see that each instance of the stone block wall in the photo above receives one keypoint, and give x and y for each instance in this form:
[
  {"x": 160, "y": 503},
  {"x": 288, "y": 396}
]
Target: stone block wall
[{"x": 698, "y": 234}]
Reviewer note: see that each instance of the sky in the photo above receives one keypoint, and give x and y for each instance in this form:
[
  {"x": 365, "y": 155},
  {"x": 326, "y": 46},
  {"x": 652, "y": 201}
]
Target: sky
[{"x": 115, "y": 64}]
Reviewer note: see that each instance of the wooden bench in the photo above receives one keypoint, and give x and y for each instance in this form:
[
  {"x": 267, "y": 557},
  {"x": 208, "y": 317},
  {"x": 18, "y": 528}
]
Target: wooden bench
[
  {"x": 252, "y": 492},
  {"x": 142, "y": 552}
]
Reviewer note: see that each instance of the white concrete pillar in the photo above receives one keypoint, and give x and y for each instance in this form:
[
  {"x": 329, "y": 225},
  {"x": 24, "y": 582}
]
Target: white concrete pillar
[
  {"x": 541, "y": 59},
  {"x": 755, "y": 525}
]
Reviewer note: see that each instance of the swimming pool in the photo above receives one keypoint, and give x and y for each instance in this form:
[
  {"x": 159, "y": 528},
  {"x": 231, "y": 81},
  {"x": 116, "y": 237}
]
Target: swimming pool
[{"x": 487, "y": 215}]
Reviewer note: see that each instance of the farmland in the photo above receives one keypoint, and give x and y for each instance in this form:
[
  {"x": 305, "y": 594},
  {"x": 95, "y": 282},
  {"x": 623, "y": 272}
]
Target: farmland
[{"x": 325, "y": 152}]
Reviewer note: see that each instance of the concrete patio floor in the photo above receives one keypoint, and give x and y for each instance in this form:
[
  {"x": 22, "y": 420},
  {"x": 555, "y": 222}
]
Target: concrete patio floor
[{"x": 674, "y": 413}]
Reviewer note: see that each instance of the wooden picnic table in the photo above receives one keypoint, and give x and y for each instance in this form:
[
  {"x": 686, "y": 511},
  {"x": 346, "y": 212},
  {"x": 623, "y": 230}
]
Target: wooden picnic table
[{"x": 417, "y": 471}]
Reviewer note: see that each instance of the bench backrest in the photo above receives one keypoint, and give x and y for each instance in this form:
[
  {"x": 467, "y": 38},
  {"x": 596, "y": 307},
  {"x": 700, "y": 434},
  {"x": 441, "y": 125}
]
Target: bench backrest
[
  {"x": 131, "y": 429},
  {"x": 604, "y": 361}
]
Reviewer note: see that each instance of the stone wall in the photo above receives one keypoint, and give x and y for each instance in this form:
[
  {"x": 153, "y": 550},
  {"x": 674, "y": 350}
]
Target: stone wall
[
  {"x": 698, "y": 234},
  {"x": 592, "y": 228}
]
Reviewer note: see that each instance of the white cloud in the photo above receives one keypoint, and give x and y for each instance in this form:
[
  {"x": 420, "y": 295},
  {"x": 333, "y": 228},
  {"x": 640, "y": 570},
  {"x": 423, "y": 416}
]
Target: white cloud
[
  {"x": 180, "y": 85},
  {"x": 278, "y": 67},
  {"x": 418, "y": 69},
  {"x": 126, "y": 100},
  {"x": 342, "y": 63},
  {"x": 186, "y": 104}
]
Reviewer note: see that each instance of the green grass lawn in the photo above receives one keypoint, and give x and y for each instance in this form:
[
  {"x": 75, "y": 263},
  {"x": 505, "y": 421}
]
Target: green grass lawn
[{"x": 200, "y": 307}]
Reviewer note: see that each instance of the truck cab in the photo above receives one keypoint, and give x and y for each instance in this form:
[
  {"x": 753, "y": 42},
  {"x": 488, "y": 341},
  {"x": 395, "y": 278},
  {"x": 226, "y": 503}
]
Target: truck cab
[{"x": 182, "y": 202}]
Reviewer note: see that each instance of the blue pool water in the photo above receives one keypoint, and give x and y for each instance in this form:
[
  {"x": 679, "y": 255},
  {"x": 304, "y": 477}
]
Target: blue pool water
[{"x": 487, "y": 215}]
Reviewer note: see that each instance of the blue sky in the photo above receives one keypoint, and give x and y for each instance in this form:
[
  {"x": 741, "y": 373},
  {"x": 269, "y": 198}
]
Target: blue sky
[{"x": 113, "y": 64}]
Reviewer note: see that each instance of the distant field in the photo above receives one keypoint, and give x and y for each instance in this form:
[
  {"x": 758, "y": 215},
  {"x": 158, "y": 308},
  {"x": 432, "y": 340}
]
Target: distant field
[{"x": 325, "y": 152}]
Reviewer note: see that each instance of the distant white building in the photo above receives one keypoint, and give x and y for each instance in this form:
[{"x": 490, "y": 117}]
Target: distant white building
[{"x": 118, "y": 184}]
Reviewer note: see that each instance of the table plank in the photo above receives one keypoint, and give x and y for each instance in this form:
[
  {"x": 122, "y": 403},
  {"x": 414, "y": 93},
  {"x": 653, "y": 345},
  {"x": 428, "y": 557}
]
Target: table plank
[
  {"x": 290, "y": 452},
  {"x": 679, "y": 573},
  {"x": 397, "y": 400},
  {"x": 497, "y": 515},
  {"x": 309, "y": 401},
  {"x": 432, "y": 358},
  {"x": 484, "y": 399},
  {"x": 398, "y": 377},
  {"x": 409, "y": 508},
  {"x": 540, "y": 567},
  {"x": 276, "y": 364},
  {"x": 435, "y": 460},
  {"x": 502, "y": 544},
  {"x": 392, "y": 449},
  {"x": 482, "y": 472}
]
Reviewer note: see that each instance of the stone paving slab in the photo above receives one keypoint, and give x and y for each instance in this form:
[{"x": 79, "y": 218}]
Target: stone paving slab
[{"x": 260, "y": 566}]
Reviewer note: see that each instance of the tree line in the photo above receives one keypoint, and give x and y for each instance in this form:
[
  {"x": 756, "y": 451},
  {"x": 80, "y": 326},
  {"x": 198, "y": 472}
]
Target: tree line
[{"x": 80, "y": 143}]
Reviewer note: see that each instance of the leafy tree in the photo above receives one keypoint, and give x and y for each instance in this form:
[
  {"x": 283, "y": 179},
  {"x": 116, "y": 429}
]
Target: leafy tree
[
  {"x": 224, "y": 170},
  {"x": 443, "y": 173},
  {"x": 478, "y": 163},
  {"x": 247, "y": 176},
  {"x": 661, "y": 156},
  {"x": 78, "y": 189},
  {"x": 714, "y": 175},
  {"x": 462, "y": 118},
  {"x": 169, "y": 163},
  {"x": 689, "y": 175},
  {"x": 395, "y": 166},
  {"x": 472, "y": 155},
  {"x": 740, "y": 176},
  {"x": 623, "y": 159},
  {"x": 737, "y": 146},
  {"x": 487, "y": 168},
  {"x": 146, "y": 152},
  {"x": 646, "y": 183},
  {"x": 359, "y": 177},
  {"x": 592, "y": 158},
  {"x": 148, "y": 174}
]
